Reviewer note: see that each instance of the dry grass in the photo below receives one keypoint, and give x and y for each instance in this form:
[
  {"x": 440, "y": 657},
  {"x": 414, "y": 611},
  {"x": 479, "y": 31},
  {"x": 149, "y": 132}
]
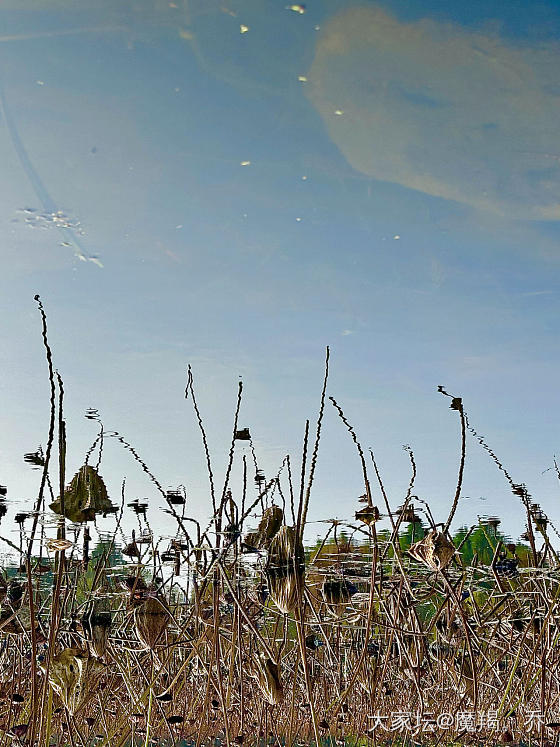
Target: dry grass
[{"x": 236, "y": 634}]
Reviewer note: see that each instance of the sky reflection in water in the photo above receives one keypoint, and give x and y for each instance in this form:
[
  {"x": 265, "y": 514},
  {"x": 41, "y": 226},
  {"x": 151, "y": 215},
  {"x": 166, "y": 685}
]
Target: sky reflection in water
[{"x": 237, "y": 186}]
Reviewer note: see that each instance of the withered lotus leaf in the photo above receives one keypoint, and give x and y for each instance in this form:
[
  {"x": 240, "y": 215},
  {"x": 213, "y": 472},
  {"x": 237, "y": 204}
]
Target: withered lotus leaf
[
  {"x": 336, "y": 591},
  {"x": 285, "y": 569},
  {"x": 10, "y": 622},
  {"x": 269, "y": 525},
  {"x": 96, "y": 624},
  {"x": 267, "y": 676},
  {"x": 435, "y": 550},
  {"x": 151, "y": 619},
  {"x": 369, "y": 515},
  {"x": 73, "y": 675},
  {"x": 85, "y": 497}
]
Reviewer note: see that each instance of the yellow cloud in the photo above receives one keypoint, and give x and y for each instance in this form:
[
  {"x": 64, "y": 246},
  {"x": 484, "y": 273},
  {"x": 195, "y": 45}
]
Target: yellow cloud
[{"x": 445, "y": 110}]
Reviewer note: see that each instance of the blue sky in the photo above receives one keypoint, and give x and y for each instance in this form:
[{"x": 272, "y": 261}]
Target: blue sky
[{"x": 137, "y": 123}]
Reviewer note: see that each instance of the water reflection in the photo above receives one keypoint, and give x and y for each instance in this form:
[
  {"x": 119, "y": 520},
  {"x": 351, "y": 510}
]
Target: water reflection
[
  {"x": 254, "y": 183},
  {"x": 52, "y": 217},
  {"x": 457, "y": 113},
  {"x": 396, "y": 615}
]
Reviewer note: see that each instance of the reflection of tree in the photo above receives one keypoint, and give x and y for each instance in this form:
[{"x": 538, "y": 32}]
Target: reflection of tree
[
  {"x": 113, "y": 553},
  {"x": 480, "y": 545},
  {"x": 414, "y": 531},
  {"x": 105, "y": 556}
]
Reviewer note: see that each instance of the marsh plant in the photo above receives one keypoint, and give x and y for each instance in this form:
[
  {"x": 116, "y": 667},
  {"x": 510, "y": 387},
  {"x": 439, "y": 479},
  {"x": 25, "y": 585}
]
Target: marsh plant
[{"x": 388, "y": 631}]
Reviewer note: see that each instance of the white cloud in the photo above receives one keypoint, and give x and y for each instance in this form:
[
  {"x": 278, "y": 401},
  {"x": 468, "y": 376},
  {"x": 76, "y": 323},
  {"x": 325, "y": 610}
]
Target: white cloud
[{"x": 448, "y": 111}]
